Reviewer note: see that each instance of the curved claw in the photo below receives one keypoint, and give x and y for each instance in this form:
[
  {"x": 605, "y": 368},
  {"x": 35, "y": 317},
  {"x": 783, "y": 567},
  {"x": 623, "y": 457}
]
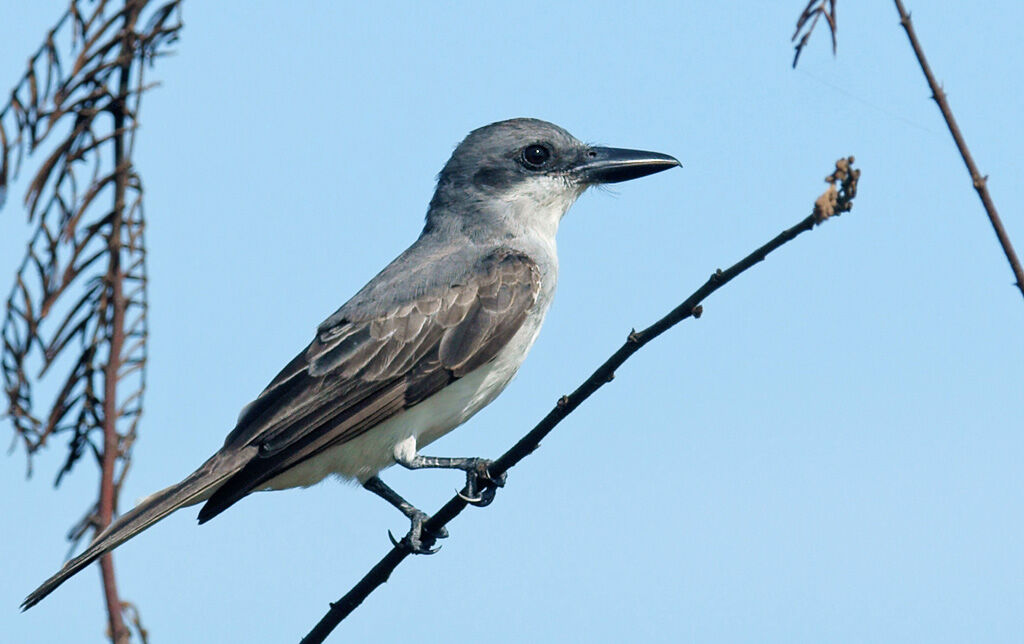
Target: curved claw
[
  {"x": 468, "y": 499},
  {"x": 423, "y": 550},
  {"x": 480, "y": 485},
  {"x": 413, "y": 544},
  {"x": 482, "y": 501}
]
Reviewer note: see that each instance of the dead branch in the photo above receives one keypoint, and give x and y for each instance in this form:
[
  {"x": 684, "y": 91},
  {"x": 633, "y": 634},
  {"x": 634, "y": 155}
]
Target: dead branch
[{"x": 836, "y": 200}]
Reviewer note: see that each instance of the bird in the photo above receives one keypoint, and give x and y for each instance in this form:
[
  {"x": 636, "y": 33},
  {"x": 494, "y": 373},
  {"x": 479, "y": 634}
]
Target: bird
[{"x": 427, "y": 343}]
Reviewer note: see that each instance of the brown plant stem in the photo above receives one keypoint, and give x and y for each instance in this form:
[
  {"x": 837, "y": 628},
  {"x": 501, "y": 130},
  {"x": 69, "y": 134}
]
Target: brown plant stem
[
  {"x": 832, "y": 202},
  {"x": 119, "y": 633},
  {"x": 979, "y": 180}
]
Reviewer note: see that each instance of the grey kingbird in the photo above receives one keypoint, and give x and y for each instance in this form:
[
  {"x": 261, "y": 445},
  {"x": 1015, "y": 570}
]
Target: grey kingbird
[{"x": 431, "y": 340}]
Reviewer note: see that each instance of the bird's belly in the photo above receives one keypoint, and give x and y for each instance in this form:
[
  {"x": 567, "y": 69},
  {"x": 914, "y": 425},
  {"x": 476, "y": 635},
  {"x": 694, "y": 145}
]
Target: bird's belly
[{"x": 365, "y": 455}]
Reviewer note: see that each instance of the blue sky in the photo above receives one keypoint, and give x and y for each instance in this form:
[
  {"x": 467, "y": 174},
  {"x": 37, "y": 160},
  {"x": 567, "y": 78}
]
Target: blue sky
[{"x": 831, "y": 453}]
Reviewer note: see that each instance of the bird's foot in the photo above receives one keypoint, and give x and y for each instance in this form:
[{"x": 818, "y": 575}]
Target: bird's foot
[
  {"x": 480, "y": 485},
  {"x": 419, "y": 541}
]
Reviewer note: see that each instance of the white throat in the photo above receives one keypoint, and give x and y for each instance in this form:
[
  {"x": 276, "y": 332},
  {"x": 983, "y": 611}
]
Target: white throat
[{"x": 536, "y": 207}]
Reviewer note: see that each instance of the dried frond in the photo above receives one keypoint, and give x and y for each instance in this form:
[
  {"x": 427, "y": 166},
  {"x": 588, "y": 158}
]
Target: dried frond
[
  {"x": 59, "y": 312},
  {"x": 74, "y": 326}
]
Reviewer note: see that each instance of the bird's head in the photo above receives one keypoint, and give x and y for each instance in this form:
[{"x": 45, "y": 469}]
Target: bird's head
[{"x": 525, "y": 173}]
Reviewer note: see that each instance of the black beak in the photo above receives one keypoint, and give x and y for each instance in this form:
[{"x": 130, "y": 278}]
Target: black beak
[{"x": 611, "y": 165}]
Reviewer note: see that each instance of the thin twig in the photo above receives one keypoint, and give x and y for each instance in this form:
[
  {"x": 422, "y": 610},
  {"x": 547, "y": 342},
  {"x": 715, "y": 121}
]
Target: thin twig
[
  {"x": 979, "y": 180},
  {"x": 835, "y": 201}
]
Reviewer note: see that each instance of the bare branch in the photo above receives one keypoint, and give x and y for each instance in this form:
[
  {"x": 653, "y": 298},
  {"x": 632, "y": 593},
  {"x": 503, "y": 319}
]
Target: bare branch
[
  {"x": 978, "y": 180},
  {"x": 836, "y": 200}
]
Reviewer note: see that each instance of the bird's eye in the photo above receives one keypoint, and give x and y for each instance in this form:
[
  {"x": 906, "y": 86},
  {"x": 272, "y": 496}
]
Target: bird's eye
[{"x": 535, "y": 156}]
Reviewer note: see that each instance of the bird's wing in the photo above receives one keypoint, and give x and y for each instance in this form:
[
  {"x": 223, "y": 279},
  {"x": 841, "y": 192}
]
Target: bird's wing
[{"x": 357, "y": 373}]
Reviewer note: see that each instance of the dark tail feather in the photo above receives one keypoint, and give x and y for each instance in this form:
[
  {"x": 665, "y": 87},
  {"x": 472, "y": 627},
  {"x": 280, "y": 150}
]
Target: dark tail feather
[{"x": 193, "y": 489}]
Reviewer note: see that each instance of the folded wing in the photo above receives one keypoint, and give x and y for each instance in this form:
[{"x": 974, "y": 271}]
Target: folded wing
[{"x": 359, "y": 372}]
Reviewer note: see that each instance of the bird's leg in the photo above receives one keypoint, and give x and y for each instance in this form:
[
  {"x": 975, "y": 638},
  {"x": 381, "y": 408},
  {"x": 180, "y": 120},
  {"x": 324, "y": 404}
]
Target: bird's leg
[
  {"x": 416, "y": 541},
  {"x": 480, "y": 485}
]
